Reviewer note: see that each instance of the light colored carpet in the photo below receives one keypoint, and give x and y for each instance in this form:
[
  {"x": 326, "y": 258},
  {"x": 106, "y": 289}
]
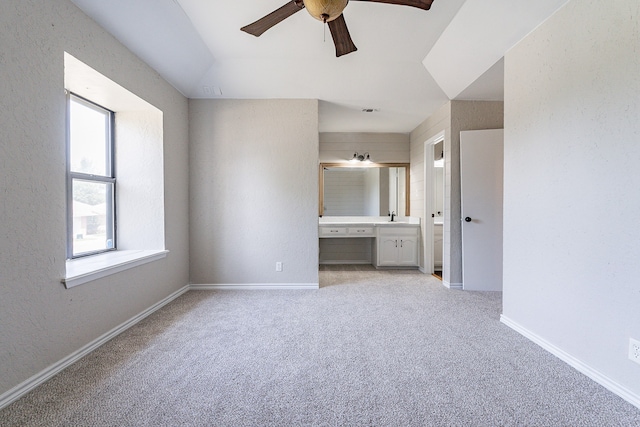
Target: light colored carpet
[{"x": 369, "y": 348}]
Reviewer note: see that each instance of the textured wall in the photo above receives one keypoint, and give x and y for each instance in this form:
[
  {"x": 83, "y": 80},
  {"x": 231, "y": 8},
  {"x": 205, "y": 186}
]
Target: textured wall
[
  {"x": 572, "y": 131},
  {"x": 41, "y": 321},
  {"x": 139, "y": 159},
  {"x": 254, "y": 191}
]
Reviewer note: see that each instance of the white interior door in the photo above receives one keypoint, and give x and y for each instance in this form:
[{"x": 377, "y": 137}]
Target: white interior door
[{"x": 481, "y": 183}]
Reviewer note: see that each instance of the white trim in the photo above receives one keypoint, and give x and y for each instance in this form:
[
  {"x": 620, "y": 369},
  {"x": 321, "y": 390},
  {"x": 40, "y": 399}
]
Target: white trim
[
  {"x": 335, "y": 262},
  {"x": 23, "y": 388},
  {"x": 254, "y": 286},
  {"x": 456, "y": 286},
  {"x": 580, "y": 366},
  {"x": 83, "y": 270}
]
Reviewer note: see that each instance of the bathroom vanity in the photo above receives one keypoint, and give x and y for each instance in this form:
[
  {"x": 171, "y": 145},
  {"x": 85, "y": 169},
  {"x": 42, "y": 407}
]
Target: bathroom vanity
[{"x": 370, "y": 240}]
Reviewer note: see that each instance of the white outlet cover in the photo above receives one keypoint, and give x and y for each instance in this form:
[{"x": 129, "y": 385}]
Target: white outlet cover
[{"x": 634, "y": 350}]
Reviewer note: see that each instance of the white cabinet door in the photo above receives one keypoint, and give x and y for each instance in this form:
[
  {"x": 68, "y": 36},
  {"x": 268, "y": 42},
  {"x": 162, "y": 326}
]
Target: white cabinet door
[
  {"x": 408, "y": 251},
  {"x": 437, "y": 246},
  {"x": 387, "y": 250},
  {"x": 398, "y": 246}
]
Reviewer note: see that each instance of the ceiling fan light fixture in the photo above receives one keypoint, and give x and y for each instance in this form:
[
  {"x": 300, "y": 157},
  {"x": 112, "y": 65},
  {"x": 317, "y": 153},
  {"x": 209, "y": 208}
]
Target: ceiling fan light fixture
[{"x": 325, "y": 10}]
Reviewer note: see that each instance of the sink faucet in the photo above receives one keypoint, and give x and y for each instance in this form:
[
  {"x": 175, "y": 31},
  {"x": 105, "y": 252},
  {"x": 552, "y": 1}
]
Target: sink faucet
[{"x": 393, "y": 215}]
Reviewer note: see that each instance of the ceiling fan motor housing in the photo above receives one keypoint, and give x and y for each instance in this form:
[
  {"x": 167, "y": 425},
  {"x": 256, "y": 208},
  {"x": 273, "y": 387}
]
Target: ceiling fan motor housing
[{"x": 325, "y": 10}]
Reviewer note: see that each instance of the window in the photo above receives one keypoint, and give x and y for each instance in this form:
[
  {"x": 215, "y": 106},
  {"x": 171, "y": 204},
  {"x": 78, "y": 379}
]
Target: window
[
  {"x": 91, "y": 181},
  {"x": 111, "y": 130}
]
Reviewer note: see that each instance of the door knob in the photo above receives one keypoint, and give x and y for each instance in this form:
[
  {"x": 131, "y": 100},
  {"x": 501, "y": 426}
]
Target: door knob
[{"x": 468, "y": 219}]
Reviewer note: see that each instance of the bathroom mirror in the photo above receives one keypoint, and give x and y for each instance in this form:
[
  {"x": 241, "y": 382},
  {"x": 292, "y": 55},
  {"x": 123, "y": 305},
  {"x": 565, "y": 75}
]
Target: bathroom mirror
[{"x": 373, "y": 189}]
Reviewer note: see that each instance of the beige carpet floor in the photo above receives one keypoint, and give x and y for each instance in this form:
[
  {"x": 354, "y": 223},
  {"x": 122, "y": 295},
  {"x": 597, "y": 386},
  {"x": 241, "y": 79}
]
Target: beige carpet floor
[{"x": 369, "y": 348}]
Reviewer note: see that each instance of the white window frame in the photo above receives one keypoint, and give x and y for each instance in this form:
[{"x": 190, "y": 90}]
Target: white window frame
[{"x": 110, "y": 178}]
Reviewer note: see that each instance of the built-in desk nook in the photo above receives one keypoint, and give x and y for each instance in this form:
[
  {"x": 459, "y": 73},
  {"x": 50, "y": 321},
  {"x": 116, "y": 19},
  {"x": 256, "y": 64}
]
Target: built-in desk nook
[{"x": 370, "y": 240}]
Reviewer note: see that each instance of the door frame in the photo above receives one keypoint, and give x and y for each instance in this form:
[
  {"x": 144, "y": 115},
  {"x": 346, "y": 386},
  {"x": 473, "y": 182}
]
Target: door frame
[{"x": 428, "y": 247}]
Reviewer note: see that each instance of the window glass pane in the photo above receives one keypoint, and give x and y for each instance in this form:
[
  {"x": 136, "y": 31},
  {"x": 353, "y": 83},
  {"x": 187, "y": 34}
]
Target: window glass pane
[
  {"x": 92, "y": 216},
  {"x": 89, "y": 136}
]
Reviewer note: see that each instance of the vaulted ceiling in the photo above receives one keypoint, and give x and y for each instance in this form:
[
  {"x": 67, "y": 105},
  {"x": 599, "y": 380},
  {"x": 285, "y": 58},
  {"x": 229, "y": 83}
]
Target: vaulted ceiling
[{"x": 409, "y": 61}]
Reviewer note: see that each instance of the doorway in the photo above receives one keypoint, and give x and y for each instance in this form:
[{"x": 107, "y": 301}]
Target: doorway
[
  {"x": 438, "y": 208},
  {"x": 434, "y": 202}
]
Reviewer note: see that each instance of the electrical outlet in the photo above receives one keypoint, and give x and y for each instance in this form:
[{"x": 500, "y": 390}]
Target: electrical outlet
[
  {"x": 634, "y": 350},
  {"x": 278, "y": 266}
]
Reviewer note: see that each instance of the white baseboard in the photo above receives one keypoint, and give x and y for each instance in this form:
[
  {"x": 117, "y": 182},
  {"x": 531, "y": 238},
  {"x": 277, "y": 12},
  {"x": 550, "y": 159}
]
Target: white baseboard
[
  {"x": 23, "y": 388},
  {"x": 254, "y": 286},
  {"x": 456, "y": 286},
  {"x": 585, "y": 369},
  {"x": 347, "y": 262},
  {"x": 424, "y": 270}
]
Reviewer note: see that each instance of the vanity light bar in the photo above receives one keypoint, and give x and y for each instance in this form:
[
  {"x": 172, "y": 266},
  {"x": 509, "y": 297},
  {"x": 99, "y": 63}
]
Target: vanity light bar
[{"x": 361, "y": 158}]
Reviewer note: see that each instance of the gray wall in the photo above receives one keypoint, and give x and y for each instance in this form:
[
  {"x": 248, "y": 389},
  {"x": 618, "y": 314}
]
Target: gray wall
[
  {"x": 254, "y": 191},
  {"x": 572, "y": 150},
  {"x": 452, "y": 118},
  {"x": 41, "y": 321}
]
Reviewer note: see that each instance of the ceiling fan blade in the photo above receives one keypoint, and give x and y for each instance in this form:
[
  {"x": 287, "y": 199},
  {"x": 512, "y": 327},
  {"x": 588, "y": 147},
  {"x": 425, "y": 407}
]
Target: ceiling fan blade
[
  {"x": 341, "y": 37},
  {"x": 275, "y": 17},
  {"x": 421, "y": 4}
]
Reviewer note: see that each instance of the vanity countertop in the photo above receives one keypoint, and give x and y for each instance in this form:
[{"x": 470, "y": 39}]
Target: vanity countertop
[
  {"x": 367, "y": 220},
  {"x": 365, "y": 226}
]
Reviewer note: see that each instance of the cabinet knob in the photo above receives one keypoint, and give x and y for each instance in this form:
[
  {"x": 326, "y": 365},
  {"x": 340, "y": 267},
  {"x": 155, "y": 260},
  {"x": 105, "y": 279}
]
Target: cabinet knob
[{"x": 468, "y": 219}]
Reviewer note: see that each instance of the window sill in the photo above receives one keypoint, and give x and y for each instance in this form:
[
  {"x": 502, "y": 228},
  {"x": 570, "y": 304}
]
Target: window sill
[{"x": 84, "y": 270}]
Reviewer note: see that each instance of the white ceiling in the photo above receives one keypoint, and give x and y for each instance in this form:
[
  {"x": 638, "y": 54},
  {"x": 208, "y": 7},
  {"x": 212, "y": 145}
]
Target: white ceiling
[{"x": 197, "y": 46}]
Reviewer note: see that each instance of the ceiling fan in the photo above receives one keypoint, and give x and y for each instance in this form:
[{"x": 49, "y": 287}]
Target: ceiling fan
[{"x": 327, "y": 11}]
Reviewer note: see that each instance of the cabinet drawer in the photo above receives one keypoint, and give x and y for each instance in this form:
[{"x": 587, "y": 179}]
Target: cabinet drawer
[
  {"x": 398, "y": 230},
  {"x": 360, "y": 231},
  {"x": 332, "y": 231}
]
